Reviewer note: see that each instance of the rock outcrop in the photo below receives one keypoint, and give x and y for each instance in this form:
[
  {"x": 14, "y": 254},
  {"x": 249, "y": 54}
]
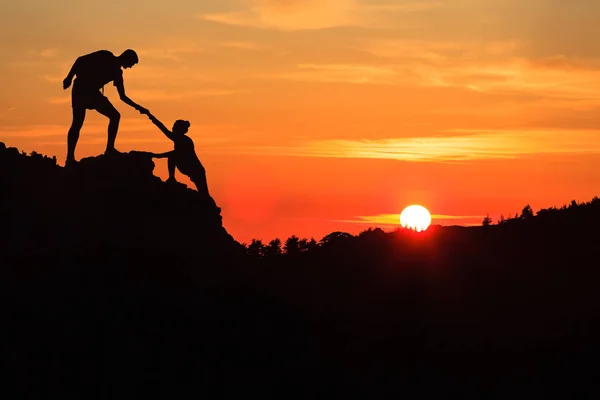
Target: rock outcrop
[{"x": 103, "y": 202}]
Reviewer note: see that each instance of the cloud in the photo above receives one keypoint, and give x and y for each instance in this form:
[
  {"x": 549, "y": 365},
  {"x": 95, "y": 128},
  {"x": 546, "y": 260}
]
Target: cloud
[
  {"x": 439, "y": 50},
  {"x": 468, "y": 145},
  {"x": 500, "y": 67},
  {"x": 53, "y": 78},
  {"x": 170, "y": 51},
  {"x": 142, "y": 95},
  {"x": 131, "y": 130},
  {"x": 184, "y": 74},
  {"x": 394, "y": 219},
  {"x": 59, "y": 100},
  {"x": 519, "y": 76},
  {"x": 405, "y": 6},
  {"x": 241, "y": 45},
  {"x": 49, "y": 53},
  {"x": 443, "y": 216},
  {"x": 289, "y": 14},
  {"x": 340, "y": 73},
  {"x": 162, "y": 95},
  {"x": 99, "y": 129},
  {"x": 496, "y": 68},
  {"x": 296, "y": 15}
]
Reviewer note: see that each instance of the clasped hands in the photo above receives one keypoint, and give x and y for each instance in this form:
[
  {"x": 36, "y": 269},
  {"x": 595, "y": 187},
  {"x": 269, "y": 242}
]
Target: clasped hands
[{"x": 142, "y": 110}]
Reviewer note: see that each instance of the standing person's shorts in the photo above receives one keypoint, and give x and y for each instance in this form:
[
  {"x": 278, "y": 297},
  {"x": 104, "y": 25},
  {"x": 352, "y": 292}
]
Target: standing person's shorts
[{"x": 89, "y": 99}]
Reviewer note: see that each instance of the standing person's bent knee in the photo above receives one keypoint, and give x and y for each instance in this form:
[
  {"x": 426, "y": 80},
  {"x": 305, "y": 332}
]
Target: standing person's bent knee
[{"x": 115, "y": 116}]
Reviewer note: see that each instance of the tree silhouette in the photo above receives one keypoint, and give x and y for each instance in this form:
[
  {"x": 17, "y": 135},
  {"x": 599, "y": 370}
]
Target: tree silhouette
[
  {"x": 335, "y": 237},
  {"x": 527, "y": 212},
  {"x": 487, "y": 221},
  {"x": 256, "y": 249},
  {"x": 273, "y": 249},
  {"x": 292, "y": 246},
  {"x": 502, "y": 220}
]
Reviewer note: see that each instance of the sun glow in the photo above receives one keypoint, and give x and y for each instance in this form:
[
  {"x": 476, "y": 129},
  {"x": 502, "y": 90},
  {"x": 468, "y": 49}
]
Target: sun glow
[{"x": 415, "y": 217}]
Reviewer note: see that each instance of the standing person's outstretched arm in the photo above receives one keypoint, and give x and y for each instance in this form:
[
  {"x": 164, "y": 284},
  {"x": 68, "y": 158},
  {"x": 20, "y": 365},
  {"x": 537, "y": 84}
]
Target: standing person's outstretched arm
[
  {"x": 160, "y": 126},
  {"x": 121, "y": 89}
]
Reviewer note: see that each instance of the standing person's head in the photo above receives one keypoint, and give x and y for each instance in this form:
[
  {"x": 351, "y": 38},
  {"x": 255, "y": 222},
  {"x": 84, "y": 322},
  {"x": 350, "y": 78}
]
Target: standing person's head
[
  {"x": 128, "y": 58},
  {"x": 181, "y": 127}
]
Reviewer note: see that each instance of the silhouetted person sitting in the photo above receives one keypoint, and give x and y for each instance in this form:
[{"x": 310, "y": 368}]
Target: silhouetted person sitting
[
  {"x": 93, "y": 71},
  {"x": 184, "y": 156}
]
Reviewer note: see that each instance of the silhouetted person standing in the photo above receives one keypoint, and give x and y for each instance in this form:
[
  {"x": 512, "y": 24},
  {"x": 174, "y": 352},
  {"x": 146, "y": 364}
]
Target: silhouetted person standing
[
  {"x": 93, "y": 71},
  {"x": 184, "y": 156}
]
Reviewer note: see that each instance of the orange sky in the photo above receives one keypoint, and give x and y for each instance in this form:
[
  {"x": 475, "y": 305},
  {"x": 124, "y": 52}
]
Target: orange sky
[{"x": 313, "y": 116}]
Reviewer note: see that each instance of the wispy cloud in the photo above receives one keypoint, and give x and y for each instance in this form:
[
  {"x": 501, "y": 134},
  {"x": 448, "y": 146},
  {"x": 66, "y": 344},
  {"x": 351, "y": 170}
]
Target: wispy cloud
[
  {"x": 296, "y": 15},
  {"x": 439, "y": 50},
  {"x": 340, "y": 73},
  {"x": 161, "y": 95},
  {"x": 393, "y": 220},
  {"x": 453, "y": 217},
  {"x": 500, "y": 67},
  {"x": 175, "y": 51},
  {"x": 127, "y": 125},
  {"x": 241, "y": 45},
  {"x": 131, "y": 130},
  {"x": 49, "y": 53},
  {"x": 520, "y": 77},
  {"x": 59, "y": 100},
  {"x": 142, "y": 95},
  {"x": 289, "y": 14},
  {"x": 407, "y": 6},
  {"x": 484, "y": 145},
  {"x": 488, "y": 68},
  {"x": 467, "y": 145}
]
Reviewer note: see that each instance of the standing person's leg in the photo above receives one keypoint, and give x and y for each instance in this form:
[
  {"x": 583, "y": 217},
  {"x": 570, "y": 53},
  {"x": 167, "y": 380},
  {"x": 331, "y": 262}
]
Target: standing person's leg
[
  {"x": 104, "y": 107},
  {"x": 73, "y": 135},
  {"x": 78, "y": 105}
]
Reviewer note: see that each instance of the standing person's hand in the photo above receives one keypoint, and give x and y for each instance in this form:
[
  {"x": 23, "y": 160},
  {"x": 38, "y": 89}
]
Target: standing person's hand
[
  {"x": 66, "y": 83},
  {"x": 143, "y": 110}
]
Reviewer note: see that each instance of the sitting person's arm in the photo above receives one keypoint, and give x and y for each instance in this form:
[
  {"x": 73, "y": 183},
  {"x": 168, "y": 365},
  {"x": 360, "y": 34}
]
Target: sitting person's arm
[{"x": 160, "y": 126}]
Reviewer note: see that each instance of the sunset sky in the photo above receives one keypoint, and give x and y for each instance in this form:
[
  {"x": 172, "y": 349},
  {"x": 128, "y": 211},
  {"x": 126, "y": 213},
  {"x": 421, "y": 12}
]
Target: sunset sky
[{"x": 314, "y": 116}]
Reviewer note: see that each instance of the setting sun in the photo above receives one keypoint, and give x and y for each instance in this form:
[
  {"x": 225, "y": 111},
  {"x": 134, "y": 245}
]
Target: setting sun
[{"x": 415, "y": 217}]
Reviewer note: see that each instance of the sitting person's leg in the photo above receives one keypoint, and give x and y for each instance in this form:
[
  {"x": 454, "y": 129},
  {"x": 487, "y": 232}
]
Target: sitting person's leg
[
  {"x": 171, "y": 163},
  {"x": 202, "y": 188},
  {"x": 200, "y": 182}
]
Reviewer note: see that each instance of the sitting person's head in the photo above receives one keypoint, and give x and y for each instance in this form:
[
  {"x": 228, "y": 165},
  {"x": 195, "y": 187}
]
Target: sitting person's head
[{"x": 181, "y": 127}]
